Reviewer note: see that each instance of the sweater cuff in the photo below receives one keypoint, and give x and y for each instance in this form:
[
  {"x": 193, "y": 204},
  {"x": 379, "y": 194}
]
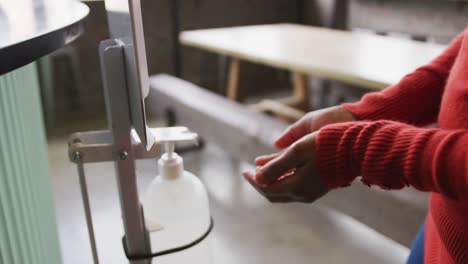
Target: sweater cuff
[{"x": 331, "y": 163}]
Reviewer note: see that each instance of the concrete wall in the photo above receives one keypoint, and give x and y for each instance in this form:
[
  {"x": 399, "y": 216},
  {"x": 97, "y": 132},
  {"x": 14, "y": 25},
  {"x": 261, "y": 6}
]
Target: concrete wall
[{"x": 440, "y": 19}]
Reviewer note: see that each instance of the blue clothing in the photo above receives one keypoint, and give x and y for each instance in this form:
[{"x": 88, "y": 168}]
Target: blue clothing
[{"x": 417, "y": 250}]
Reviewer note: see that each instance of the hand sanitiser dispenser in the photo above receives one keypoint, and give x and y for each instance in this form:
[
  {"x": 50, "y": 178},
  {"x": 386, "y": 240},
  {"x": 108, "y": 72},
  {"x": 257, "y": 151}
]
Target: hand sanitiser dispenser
[
  {"x": 176, "y": 204},
  {"x": 171, "y": 223}
]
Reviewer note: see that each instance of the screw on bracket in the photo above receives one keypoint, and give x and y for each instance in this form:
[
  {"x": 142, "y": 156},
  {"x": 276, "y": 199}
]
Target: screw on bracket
[
  {"x": 74, "y": 141},
  {"x": 76, "y": 156},
  {"x": 123, "y": 155}
]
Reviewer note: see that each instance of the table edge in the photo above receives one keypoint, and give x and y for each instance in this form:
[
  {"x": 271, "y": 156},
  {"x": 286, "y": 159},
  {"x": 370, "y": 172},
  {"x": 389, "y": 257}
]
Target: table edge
[{"x": 24, "y": 52}]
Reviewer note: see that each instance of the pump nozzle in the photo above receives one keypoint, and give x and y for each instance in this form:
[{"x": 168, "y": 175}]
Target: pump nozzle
[
  {"x": 170, "y": 164},
  {"x": 169, "y": 146}
]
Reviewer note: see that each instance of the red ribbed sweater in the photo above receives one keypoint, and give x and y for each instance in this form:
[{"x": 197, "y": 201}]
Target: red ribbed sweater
[{"x": 392, "y": 149}]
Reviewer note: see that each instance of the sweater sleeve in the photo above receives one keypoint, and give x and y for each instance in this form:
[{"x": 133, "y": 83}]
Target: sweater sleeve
[
  {"x": 425, "y": 85},
  {"x": 393, "y": 155}
]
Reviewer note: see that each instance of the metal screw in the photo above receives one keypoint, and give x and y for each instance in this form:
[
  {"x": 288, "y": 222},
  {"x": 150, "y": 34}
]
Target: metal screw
[
  {"x": 123, "y": 155},
  {"x": 76, "y": 156},
  {"x": 74, "y": 141}
]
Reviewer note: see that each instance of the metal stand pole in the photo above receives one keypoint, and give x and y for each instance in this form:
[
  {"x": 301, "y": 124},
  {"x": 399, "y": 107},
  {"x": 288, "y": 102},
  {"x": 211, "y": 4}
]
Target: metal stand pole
[
  {"x": 86, "y": 206},
  {"x": 118, "y": 116}
]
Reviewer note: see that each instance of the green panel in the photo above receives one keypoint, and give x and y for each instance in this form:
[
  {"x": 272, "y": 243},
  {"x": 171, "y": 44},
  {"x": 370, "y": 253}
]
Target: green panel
[{"x": 28, "y": 231}]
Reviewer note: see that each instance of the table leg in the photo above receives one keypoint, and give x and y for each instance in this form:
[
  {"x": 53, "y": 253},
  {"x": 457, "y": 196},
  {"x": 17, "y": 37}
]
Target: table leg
[
  {"x": 289, "y": 108},
  {"x": 300, "y": 97},
  {"x": 278, "y": 109},
  {"x": 301, "y": 90},
  {"x": 233, "y": 80},
  {"x": 222, "y": 74}
]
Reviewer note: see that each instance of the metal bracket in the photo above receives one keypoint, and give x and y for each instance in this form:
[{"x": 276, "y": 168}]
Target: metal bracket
[{"x": 97, "y": 146}]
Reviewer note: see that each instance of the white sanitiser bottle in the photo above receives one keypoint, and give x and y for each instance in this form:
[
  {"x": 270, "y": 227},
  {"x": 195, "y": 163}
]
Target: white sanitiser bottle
[{"x": 176, "y": 204}]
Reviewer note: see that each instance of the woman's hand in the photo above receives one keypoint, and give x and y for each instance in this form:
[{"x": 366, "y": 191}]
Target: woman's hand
[
  {"x": 312, "y": 122},
  {"x": 291, "y": 175}
]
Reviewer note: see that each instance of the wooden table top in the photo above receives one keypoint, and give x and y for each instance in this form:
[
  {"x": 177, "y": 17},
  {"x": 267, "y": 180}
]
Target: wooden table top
[{"x": 363, "y": 59}]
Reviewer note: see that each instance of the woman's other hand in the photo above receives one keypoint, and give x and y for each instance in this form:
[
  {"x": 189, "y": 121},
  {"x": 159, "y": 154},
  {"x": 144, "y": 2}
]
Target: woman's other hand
[
  {"x": 312, "y": 122},
  {"x": 291, "y": 175}
]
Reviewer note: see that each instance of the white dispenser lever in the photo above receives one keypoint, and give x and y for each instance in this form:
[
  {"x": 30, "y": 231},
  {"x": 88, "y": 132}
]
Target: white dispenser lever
[{"x": 171, "y": 135}]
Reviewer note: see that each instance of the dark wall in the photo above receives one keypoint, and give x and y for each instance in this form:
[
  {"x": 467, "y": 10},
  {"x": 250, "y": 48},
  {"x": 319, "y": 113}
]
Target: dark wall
[
  {"x": 71, "y": 77},
  {"x": 158, "y": 26},
  {"x": 426, "y": 20},
  {"x": 325, "y": 13},
  {"x": 441, "y": 20}
]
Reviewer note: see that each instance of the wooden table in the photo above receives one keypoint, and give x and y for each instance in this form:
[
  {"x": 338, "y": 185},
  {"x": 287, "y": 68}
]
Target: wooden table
[{"x": 362, "y": 59}]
